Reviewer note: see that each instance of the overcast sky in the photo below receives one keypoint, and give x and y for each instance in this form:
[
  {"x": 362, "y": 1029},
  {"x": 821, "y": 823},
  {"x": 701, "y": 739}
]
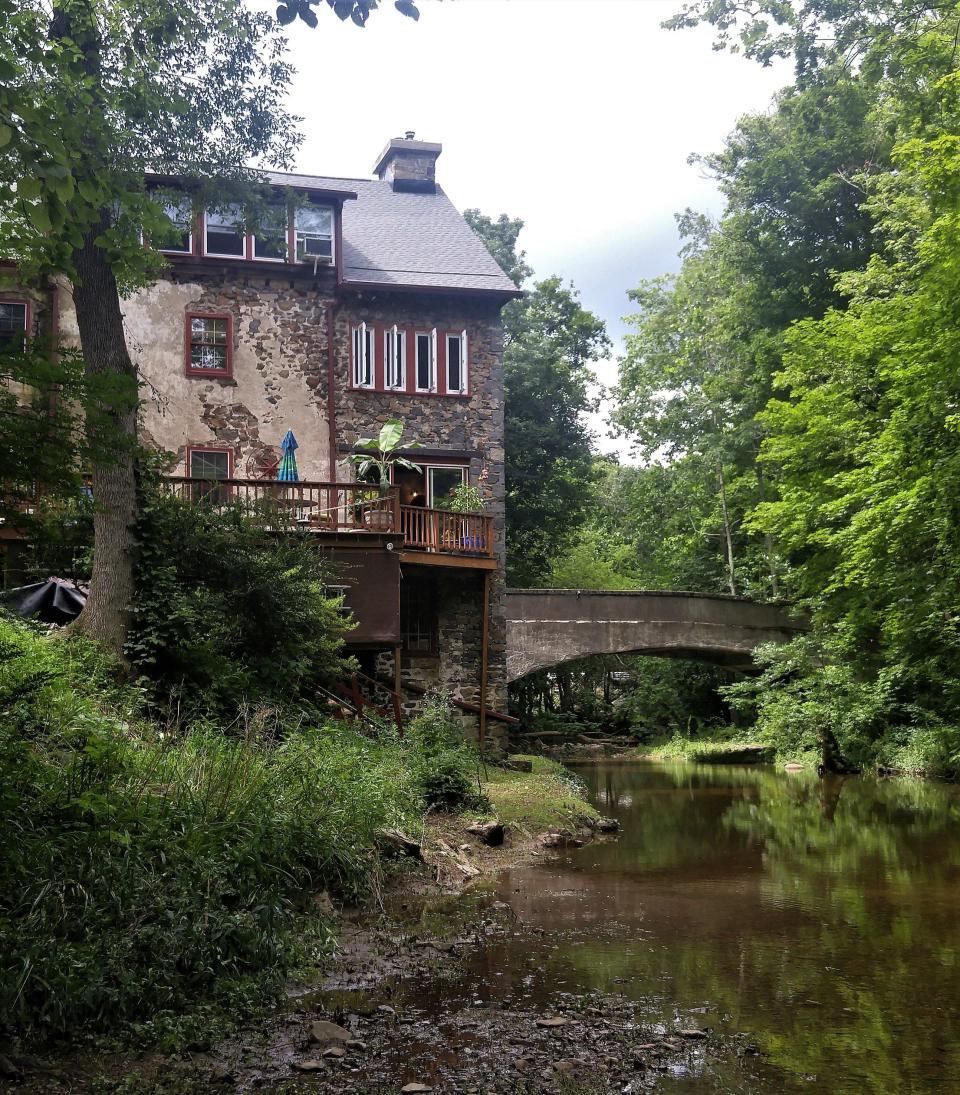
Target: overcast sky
[{"x": 575, "y": 115}]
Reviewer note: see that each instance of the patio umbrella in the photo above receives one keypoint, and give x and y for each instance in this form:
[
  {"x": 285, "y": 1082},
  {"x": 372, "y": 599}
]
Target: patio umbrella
[{"x": 288, "y": 463}]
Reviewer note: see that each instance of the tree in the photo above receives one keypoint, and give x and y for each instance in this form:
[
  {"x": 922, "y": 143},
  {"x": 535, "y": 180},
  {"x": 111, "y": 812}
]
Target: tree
[
  {"x": 356, "y": 10},
  {"x": 549, "y": 342},
  {"x": 91, "y": 97}
]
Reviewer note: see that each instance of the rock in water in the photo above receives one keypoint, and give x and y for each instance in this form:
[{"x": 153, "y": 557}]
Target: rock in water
[
  {"x": 608, "y": 825},
  {"x": 324, "y": 1032},
  {"x": 490, "y": 832},
  {"x": 553, "y": 1021},
  {"x": 412, "y": 1089},
  {"x": 692, "y": 1032}
]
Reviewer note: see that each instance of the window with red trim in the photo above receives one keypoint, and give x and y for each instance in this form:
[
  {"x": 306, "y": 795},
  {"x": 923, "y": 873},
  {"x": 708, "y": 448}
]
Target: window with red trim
[
  {"x": 210, "y": 465},
  {"x": 412, "y": 360},
  {"x": 209, "y": 345}
]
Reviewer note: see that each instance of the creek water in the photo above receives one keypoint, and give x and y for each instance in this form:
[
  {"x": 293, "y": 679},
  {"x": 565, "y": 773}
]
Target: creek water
[{"x": 821, "y": 918}]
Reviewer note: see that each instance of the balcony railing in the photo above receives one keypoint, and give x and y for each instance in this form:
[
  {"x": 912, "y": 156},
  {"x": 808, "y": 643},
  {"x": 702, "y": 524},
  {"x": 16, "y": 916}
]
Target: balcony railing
[{"x": 342, "y": 507}]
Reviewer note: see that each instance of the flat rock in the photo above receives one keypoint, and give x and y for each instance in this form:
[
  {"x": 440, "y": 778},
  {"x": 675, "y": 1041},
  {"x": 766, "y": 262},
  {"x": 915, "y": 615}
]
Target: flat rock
[
  {"x": 567, "y": 1065},
  {"x": 693, "y": 1032},
  {"x": 553, "y": 1021},
  {"x": 322, "y": 1031},
  {"x": 489, "y": 832},
  {"x": 396, "y": 841},
  {"x": 414, "y": 1088},
  {"x": 311, "y": 1065},
  {"x": 335, "y": 1051}
]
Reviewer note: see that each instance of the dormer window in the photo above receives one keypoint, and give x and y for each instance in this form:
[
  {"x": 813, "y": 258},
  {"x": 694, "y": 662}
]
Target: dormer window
[
  {"x": 224, "y": 233},
  {"x": 179, "y": 240},
  {"x": 270, "y": 239},
  {"x": 313, "y": 233}
]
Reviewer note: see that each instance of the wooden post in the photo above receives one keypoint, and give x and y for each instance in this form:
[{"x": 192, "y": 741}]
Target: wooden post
[
  {"x": 397, "y": 683},
  {"x": 484, "y": 658}
]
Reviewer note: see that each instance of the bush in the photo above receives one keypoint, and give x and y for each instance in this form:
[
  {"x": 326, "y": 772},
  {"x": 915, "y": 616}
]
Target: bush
[
  {"x": 226, "y": 613},
  {"x": 142, "y": 868},
  {"x": 444, "y": 766}
]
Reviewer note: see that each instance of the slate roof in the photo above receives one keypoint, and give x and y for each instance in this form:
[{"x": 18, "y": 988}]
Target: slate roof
[{"x": 413, "y": 240}]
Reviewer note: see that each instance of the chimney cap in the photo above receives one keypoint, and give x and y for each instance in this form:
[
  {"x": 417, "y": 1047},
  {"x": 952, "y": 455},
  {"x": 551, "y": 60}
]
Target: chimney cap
[{"x": 400, "y": 145}]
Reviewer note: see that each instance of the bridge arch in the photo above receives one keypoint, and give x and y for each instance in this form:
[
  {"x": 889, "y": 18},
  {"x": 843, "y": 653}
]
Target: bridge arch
[{"x": 547, "y": 627}]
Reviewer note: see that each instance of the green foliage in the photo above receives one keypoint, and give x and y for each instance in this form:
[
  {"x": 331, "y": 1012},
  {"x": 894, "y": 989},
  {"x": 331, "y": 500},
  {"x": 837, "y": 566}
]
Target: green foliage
[
  {"x": 550, "y": 341},
  {"x": 227, "y": 613},
  {"x": 379, "y": 453},
  {"x": 445, "y": 769},
  {"x": 144, "y": 869}
]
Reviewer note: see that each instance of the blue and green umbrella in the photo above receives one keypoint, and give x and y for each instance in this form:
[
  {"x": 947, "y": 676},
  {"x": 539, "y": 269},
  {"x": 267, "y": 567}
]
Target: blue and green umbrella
[{"x": 288, "y": 464}]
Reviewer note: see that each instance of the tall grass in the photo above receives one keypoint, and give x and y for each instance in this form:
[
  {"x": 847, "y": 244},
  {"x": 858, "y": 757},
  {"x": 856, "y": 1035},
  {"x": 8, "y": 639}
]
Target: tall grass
[{"x": 143, "y": 867}]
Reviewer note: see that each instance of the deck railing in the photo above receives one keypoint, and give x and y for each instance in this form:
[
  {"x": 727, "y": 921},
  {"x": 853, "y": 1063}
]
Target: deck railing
[
  {"x": 342, "y": 507},
  {"x": 444, "y": 531}
]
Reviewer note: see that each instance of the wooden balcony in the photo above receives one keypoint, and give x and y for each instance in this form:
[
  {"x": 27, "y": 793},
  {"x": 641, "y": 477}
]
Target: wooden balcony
[{"x": 344, "y": 507}]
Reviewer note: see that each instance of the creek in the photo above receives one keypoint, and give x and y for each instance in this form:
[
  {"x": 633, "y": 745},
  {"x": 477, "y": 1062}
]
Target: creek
[{"x": 821, "y": 918}]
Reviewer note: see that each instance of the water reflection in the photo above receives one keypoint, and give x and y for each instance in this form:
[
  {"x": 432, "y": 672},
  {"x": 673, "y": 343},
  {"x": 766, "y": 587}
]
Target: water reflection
[{"x": 822, "y": 917}]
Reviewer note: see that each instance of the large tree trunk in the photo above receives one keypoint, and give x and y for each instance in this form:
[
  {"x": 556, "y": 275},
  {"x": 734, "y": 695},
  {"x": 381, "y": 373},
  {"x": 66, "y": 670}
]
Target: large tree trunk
[{"x": 112, "y": 432}]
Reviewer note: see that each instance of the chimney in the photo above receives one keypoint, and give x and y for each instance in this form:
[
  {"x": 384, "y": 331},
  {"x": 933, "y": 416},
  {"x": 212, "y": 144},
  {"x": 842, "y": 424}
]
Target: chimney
[{"x": 408, "y": 164}]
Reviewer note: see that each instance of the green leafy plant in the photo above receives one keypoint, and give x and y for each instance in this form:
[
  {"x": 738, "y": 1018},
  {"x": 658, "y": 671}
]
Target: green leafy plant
[
  {"x": 444, "y": 766},
  {"x": 466, "y": 498},
  {"x": 378, "y": 454}
]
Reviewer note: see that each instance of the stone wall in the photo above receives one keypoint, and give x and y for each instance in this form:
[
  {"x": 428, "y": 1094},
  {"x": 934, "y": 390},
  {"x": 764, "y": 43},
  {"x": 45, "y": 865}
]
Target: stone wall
[{"x": 279, "y": 366}]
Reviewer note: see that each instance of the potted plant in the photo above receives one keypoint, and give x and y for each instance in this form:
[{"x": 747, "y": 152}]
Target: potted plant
[
  {"x": 468, "y": 498},
  {"x": 377, "y": 455}
]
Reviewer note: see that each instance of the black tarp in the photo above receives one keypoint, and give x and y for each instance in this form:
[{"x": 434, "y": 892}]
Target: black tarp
[{"x": 52, "y": 602}]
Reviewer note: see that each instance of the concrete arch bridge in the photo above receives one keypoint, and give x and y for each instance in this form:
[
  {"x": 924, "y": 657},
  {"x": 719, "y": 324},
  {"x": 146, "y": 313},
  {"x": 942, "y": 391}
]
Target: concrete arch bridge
[{"x": 547, "y": 627}]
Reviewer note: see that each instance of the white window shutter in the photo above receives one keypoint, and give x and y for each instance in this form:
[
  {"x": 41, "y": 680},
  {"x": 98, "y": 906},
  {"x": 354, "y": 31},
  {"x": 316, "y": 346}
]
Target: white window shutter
[
  {"x": 433, "y": 360},
  {"x": 464, "y": 374}
]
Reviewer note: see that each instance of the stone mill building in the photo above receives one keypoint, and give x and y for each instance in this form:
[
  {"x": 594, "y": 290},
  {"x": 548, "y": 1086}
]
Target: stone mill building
[{"x": 355, "y": 301}]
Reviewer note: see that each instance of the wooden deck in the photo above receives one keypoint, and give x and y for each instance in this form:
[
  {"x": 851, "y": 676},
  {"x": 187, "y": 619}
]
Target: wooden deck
[{"x": 427, "y": 535}]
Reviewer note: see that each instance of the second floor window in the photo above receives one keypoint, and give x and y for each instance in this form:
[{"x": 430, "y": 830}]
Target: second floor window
[
  {"x": 427, "y": 361},
  {"x": 180, "y": 239},
  {"x": 363, "y": 357},
  {"x": 224, "y": 233},
  {"x": 457, "y": 363},
  {"x": 394, "y": 359},
  {"x": 209, "y": 352},
  {"x": 13, "y": 325}
]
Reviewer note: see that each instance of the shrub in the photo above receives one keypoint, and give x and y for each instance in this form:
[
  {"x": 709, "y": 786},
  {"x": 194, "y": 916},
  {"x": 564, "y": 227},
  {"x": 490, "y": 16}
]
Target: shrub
[
  {"x": 227, "y": 613},
  {"x": 444, "y": 766},
  {"x": 142, "y": 868}
]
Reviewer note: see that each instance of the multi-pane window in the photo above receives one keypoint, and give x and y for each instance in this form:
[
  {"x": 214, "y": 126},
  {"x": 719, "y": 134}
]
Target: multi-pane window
[
  {"x": 418, "y": 615},
  {"x": 363, "y": 357},
  {"x": 209, "y": 465},
  {"x": 270, "y": 239},
  {"x": 13, "y": 325},
  {"x": 224, "y": 232},
  {"x": 180, "y": 238},
  {"x": 313, "y": 233},
  {"x": 457, "y": 363},
  {"x": 426, "y": 361},
  {"x": 209, "y": 352},
  {"x": 394, "y": 359}
]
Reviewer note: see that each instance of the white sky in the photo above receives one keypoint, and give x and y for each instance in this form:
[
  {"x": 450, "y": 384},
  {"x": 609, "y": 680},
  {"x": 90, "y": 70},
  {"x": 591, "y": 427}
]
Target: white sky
[{"x": 575, "y": 115}]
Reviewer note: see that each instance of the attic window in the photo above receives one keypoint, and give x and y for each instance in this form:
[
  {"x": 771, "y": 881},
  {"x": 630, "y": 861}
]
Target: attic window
[
  {"x": 313, "y": 232},
  {"x": 179, "y": 240},
  {"x": 270, "y": 238},
  {"x": 224, "y": 233}
]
